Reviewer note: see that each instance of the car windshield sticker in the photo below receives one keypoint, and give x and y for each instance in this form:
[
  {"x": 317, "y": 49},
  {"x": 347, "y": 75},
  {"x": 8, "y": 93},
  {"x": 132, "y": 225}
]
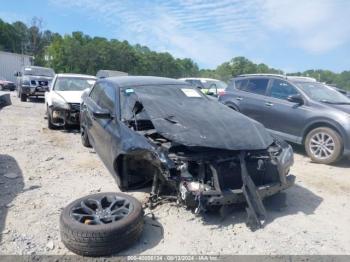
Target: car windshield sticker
[
  {"x": 189, "y": 92},
  {"x": 129, "y": 91}
]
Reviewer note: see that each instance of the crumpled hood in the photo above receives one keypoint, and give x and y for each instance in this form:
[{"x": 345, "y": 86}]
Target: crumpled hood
[
  {"x": 71, "y": 96},
  {"x": 203, "y": 123}
]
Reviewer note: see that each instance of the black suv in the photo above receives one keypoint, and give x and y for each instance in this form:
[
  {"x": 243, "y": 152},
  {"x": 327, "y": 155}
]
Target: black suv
[
  {"x": 297, "y": 109},
  {"x": 33, "y": 81}
]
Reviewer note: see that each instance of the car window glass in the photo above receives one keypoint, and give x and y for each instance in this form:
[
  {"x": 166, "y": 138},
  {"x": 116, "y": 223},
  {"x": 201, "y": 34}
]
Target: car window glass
[
  {"x": 241, "y": 84},
  {"x": 196, "y": 83},
  {"x": 282, "y": 89},
  {"x": 73, "y": 83},
  {"x": 256, "y": 86},
  {"x": 107, "y": 98},
  {"x": 96, "y": 92}
]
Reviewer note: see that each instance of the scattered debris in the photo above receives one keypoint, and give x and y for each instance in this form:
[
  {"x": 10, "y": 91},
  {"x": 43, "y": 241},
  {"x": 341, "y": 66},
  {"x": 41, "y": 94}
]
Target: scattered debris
[
  {"x": 50, "y": 245},
  {"x": 11, "y": 175}
]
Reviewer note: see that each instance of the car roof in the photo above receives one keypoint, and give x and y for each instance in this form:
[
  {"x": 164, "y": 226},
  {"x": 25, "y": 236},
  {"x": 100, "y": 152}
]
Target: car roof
[
  {"x": 198, "y": 78},
  {"x": 76, "y": 75},
  {"x": 291, "y": 78},
  {"x": 142, "y": 81}
]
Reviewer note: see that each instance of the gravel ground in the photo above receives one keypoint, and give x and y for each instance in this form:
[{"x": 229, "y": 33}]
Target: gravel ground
[{"x": 41, "y": 171}]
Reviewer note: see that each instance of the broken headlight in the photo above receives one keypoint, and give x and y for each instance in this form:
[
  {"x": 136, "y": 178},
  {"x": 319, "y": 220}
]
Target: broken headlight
[
  {"x": 59, "y": 102},
  {"x": 286, "y": 157}
]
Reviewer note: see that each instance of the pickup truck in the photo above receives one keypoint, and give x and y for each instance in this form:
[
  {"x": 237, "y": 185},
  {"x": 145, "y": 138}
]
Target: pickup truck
[{"x": 33, "y": 81}]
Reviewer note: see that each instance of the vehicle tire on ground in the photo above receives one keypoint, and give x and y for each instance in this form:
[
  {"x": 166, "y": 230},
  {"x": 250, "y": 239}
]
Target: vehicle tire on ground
[
  {"x": 101, "y": 224},
  {"x": 84, "y": 137},
  {"x": 23, "y": 97},
  {"x": 324, "y": 145}
]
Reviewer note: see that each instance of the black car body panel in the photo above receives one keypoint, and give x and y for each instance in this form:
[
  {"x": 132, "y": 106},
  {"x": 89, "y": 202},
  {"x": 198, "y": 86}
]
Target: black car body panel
[{"x": 154, "y": 132}]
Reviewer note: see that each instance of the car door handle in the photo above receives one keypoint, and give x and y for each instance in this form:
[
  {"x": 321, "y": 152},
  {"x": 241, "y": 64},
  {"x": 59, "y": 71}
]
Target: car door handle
[
  {"x": 268, "y": 104},
  {"x": 239, "y": 98}
]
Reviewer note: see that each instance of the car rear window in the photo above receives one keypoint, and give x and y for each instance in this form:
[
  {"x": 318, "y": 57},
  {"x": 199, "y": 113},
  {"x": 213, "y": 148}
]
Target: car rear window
[{"x": 255, "y": 85}]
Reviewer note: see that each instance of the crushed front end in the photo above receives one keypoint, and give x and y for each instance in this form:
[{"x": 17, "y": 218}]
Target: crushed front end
[
  {"x": 201, "y": 153},
  {"x": 205, "y": 178},
  {"x": 65, "y": 114}
]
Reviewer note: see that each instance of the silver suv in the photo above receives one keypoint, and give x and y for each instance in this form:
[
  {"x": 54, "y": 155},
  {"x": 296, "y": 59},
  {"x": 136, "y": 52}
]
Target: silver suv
[
  {"x": 297, "y": 109},
  {"x": 33, "y": 81}
]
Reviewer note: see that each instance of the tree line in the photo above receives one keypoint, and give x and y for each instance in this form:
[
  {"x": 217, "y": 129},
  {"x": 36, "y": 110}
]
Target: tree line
[{"x": 81, "y": 53}]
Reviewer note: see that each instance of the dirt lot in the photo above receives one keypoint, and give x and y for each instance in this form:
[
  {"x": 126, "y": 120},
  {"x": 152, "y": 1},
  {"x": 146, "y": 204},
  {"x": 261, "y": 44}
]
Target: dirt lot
[{"x": 42, "y": 170}]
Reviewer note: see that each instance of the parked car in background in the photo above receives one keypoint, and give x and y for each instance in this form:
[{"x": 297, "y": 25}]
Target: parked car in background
[
  {"x": 297, "y": 109},
  {"x": 208, "y": 86},
  {"x": 64, "y": 97},
  {"x": 165, "y": 131},
  {"x": 6, "y": 85},
  {"x": 33, "y": 81},
  {"x": 109, "y": 73}
]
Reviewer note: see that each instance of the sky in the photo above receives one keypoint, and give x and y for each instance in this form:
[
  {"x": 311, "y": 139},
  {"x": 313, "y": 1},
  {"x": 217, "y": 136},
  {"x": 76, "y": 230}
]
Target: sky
[{"x": 292, "y": 35}]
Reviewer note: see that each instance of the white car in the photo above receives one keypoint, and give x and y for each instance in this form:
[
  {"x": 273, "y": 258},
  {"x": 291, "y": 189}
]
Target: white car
[
  {"x": 64, "y": 97},
  {"x": 208, "y": 86}
]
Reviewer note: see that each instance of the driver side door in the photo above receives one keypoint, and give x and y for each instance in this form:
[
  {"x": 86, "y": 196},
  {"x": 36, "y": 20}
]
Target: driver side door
[
  {"x": 284, "y": 118},
  {"x": 105, "y": 128}
]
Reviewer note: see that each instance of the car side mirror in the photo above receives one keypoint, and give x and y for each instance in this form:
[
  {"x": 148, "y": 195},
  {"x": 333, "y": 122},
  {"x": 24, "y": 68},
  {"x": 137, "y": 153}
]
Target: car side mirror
[
  {"x": 296, "y": 99},
  {"x": 102, "y": 114}
]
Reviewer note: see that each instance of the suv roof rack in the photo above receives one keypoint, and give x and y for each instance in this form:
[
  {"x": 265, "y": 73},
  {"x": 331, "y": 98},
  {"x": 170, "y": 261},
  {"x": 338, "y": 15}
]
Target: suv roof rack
[
  {"x": 295, "y": 78},
  {"x": 302, "y": 78},
  {"x": 275, "y": 75}
]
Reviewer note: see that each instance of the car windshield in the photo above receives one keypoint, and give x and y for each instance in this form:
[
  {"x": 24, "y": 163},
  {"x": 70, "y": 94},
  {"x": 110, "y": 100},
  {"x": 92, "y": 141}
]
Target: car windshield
[
  {"x": 73, "y": 83},
  {"x": 129, "y": 95},
  {"x": 39, "y": 71},
  {"x": 214, "y": 84},
  {"x": 323, "y": 93}
]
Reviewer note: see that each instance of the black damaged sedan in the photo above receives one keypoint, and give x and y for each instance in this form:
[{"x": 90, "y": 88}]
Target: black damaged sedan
[{"x": 165, "y": 133}]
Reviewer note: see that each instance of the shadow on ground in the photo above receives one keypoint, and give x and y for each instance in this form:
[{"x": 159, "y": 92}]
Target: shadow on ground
[
  {"x": 294, "y": 200},
  {"x": 11, "y": 184},
  {"x": 153, "y": 233}
]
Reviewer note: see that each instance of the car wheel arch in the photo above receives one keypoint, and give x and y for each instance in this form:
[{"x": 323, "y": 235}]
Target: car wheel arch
[
  {"x": 318, "y": 124},
  {"x": 121, "y": 164}
]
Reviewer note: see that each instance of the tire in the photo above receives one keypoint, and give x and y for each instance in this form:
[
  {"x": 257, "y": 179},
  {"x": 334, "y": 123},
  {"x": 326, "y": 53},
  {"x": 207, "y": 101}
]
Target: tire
[
  {"x": 23, "y": 98},
  {"x": 334, "y": 146},
  {"x": 101, "y": 239},
  {"x": 84, "y": 137}
]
